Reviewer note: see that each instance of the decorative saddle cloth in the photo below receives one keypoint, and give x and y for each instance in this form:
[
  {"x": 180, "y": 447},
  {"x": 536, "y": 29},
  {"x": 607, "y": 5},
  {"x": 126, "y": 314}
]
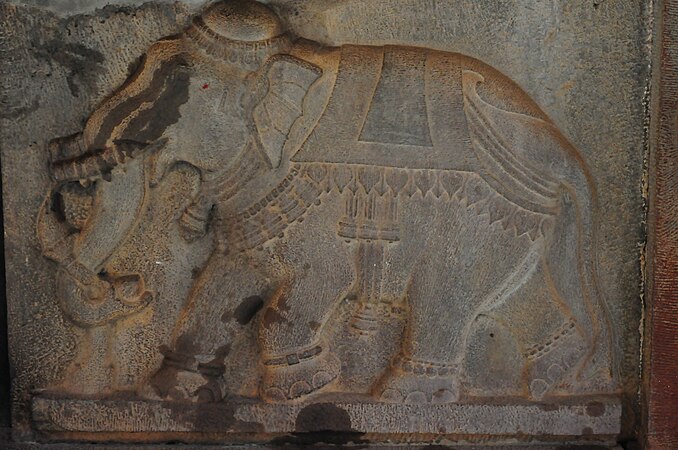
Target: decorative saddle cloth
[{"x": 393, "y": 107}]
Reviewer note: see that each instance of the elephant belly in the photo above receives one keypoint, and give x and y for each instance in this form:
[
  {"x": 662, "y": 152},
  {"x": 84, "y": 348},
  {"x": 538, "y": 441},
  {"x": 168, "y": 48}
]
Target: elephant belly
[{"x": 401, "y": 208}]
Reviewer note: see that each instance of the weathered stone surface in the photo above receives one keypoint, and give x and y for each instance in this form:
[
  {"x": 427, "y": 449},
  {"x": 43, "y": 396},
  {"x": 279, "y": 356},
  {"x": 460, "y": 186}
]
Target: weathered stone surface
[
  {"x": 359, "y": 422},
  {"x": 411, "y": 221}
]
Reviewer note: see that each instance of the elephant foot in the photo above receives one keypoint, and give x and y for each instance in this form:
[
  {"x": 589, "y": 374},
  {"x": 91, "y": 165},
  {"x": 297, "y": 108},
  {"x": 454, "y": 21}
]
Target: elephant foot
[
  {"x": 299, "y": 374},
  {"x": 182, "y": 379},
  {"x": 411, "y": 381},
  {"x": 554, "y": 363}
]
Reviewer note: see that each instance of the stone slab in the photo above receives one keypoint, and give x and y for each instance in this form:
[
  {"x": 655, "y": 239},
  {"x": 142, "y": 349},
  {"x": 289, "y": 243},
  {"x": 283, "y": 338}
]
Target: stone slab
[
  {"x": 594, "y": 419},
  {"x": 470, "y": 181}
]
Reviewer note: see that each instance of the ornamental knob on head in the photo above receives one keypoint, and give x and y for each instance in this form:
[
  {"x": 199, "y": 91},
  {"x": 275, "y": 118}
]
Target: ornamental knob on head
[
  {"x": 244, "y": 32},
  {"x": 242, "y": 21}
]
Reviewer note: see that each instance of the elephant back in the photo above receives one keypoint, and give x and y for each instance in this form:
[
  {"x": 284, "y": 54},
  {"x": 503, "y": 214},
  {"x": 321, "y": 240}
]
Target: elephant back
[{"x": 404, "y": 107}]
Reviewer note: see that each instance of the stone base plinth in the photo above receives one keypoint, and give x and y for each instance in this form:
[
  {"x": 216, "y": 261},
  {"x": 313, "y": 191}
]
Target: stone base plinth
[{"x": 326, "y": 419}]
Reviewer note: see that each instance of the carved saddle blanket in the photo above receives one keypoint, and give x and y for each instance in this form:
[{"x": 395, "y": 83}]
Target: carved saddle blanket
[{"x": 417, "y": 124}]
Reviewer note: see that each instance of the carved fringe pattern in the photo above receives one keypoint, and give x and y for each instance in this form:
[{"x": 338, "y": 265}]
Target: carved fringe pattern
[
  {"x": 430, "y": 369},
  {"x": 387, "y": 182},
  {"x": 539, "y": 350},
  {"x": 269, "y": 217},
  {"x": 306, "y": 183},
  {"x": 250, "y": 55}
]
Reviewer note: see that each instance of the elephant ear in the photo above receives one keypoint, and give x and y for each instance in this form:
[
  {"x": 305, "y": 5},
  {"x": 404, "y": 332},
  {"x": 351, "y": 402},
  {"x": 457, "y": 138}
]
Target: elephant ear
[{"x": 286, "y": 81}]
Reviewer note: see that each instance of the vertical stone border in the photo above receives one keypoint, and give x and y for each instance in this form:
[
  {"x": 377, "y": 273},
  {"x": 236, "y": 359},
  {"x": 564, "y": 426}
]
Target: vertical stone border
[{"x": 661, "y": 331}]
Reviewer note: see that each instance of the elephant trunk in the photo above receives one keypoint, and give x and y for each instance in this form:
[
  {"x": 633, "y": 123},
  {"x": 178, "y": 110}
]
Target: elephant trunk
[{"x": 90, "y": 300}]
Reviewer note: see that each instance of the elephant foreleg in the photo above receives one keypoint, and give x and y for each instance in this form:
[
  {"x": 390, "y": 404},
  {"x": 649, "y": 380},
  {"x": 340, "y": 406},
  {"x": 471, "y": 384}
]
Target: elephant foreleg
[
  {"x": 297, "y": 360},
  {"x": 224, "y": 300}
]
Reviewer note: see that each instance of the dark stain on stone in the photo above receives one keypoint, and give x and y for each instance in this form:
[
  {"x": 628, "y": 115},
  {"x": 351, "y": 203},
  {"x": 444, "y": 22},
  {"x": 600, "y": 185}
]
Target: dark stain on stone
[
  {"x": 195, "y": 273},
  {"x": 212, "y": 371},
  {"x": 586, "y": 431},
  {"x": 175, "y": 360},
  {"x": 548, "y": 407},
  {"x": 247, "y": 309},
  {"x": 271, "y": 317},
  {"x": 57, "y": 206},
  {"x": 83, "y": 65},
  {"x": 323, "y": 423},
  {"x": 167, "y": 91},
  {"x": 595, "y": 409},
  {"x": 212, "y": 417},
  {"x": 220, "y": 417},
  {"x": 151, "y": 123},
  {"x": 165, "y": 378},
  {"x": 322, "y": 417}
]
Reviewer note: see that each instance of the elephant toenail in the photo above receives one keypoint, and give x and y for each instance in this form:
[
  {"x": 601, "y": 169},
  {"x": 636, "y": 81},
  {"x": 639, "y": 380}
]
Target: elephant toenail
[
  {"x": 538, "y": 388},
  {"x": 391, "y": 396},
  {"x": 416, "y": 397},
  {"x": 555, "y": 372},
  {"x": 444, "y": 396},
  {"x": 275, "y": 394},
  {"x": 300, "y": 388},
  {"x": 322, "y": 378}
]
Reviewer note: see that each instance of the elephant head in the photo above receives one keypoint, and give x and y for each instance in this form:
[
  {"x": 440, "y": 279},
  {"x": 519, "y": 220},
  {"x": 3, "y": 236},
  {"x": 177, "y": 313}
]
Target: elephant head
[{"x": 221, "y": 97}]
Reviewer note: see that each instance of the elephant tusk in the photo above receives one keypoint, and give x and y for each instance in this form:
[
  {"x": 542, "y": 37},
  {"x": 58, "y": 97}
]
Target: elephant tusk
[{"x": 100, "y": 162}]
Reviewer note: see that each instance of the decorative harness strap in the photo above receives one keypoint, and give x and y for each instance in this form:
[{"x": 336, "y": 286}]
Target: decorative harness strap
[{"x": 371, "y": 195}]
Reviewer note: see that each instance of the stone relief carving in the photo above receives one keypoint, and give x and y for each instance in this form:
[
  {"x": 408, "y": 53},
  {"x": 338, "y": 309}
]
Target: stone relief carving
[{"x": 256, "y": 216}]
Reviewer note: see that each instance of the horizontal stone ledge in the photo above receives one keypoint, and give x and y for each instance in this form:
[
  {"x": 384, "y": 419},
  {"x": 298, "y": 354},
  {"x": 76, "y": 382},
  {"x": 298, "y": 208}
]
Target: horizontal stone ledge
[{"x": 592, "y": 418}]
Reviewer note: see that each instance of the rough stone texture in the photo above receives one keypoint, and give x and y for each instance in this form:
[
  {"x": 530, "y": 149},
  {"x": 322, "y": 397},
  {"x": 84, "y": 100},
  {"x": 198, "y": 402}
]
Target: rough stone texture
[
  {"x": 71, "y": 7},
  {"x": 469, "y": 180}
]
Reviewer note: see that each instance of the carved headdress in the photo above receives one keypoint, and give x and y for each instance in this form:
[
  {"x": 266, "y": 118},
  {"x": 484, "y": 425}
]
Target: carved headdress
[{"x": 243, "y": 32}]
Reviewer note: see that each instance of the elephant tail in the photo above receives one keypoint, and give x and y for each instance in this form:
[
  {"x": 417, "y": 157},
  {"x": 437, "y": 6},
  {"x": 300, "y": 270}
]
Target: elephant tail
[
  {"x": 579, "y": 210},
  {"x": 528, "y": 161}
]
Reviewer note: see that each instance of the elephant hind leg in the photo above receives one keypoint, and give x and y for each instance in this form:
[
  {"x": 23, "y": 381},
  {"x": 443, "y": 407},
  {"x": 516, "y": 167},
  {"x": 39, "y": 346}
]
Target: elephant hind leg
[
  {"x": 548, "y": 345},
  {"x": 570, "y": 270}
]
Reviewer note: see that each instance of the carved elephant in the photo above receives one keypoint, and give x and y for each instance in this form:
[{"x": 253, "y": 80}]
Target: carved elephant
[{"x": 410, "y": 181}]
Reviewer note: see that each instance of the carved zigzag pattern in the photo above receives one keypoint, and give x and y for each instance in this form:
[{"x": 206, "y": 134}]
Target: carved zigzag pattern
[
  {"x": 269, "y": 217},
  {"x": 306, "y": 184}
]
